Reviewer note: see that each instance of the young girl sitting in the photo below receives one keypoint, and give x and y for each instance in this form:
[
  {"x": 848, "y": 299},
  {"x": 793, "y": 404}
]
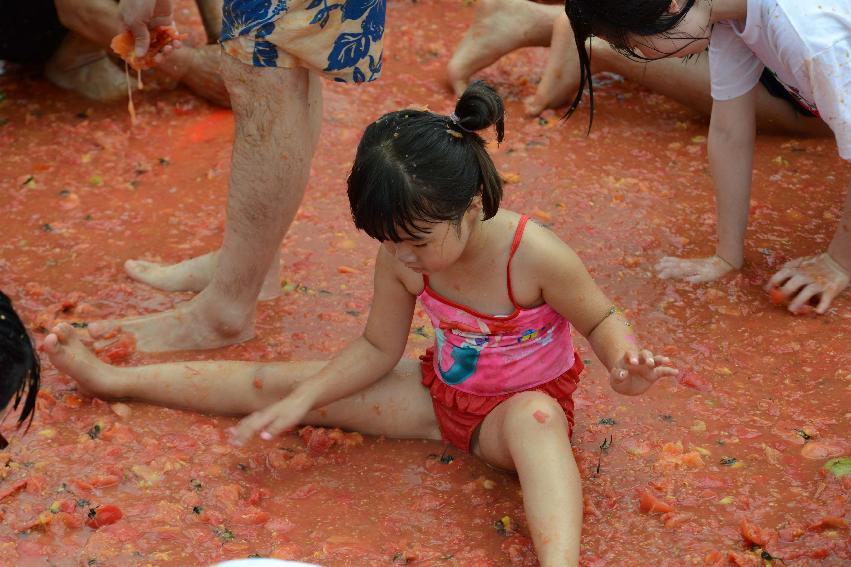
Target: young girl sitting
[
  {"x": 807, "y": 45},
  {"x": 502, "y": 295}
]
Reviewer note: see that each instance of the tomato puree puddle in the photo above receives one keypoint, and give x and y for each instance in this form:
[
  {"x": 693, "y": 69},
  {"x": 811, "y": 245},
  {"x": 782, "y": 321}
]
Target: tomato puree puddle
[{"x": 724, "y": 464}]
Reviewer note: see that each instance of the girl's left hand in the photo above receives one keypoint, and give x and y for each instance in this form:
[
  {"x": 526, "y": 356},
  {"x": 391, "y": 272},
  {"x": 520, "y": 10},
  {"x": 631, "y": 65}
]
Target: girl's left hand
[
  {"x": 271, "y": 421},
  {"x": 634, "y": 373}
]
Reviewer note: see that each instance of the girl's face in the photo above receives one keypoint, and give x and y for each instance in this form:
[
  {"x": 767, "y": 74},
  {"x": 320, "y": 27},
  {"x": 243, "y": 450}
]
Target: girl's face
[
  {"x": 437, "y": 248},
  {"x": 691, "y": 36}
]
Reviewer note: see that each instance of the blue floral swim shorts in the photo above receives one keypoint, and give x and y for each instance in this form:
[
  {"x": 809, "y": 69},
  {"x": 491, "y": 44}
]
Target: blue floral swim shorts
[{"x": 340, "y": 39}]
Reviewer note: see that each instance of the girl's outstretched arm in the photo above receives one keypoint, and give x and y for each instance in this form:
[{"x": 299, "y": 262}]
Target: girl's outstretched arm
[
  {"x": 568, "y": 287},
  {"x": 361, "y": 363}
]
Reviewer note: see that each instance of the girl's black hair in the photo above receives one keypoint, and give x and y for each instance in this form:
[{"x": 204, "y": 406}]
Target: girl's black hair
[
  {"x": 616, "y": 21},
  {"x": 415, "y": 166},
  {"x": 20, "y": 371}
]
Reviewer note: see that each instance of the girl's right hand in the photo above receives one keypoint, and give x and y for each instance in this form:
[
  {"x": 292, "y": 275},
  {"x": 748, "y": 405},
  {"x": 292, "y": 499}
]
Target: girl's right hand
[
  {"x": 635, "y": 372},
  {"x": 693, "y": 270},
  {"x": 271, "y": 421}
]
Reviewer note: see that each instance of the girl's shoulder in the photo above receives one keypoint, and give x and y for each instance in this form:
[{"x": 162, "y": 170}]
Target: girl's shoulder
[
  {"x": 387, "y": 266},
  {"x": 541, "y": 251}
]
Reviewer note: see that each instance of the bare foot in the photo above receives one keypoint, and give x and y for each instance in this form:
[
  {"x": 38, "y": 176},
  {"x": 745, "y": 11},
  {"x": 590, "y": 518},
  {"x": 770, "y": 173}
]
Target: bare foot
[
  {"x": 69, "y": 355},
  {"x": 203, "y": 323},
  {"x": 499, "y": 27},
  {"x": 83, "y": 67},
  {"x": 198, "y": 69},
  {"x": 194, "y": 274},
  {"x": 561, "y": 74}
]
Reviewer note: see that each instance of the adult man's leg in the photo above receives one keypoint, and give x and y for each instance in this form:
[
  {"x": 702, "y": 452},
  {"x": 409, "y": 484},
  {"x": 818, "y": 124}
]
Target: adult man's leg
[{"x": 278, "y": 117}]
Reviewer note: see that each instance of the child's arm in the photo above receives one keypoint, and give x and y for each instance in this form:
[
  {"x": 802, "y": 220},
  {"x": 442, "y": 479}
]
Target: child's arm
[
  {"x": 568, "y": 287},
  {"x": 364, "y": 361},
  {"x": 732, "y": 131}
]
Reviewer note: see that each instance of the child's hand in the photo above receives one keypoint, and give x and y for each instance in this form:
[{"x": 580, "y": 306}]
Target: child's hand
[
  {"x": 804, "y": 279},
  {"x": 272, "y": 420},
  {"x": 635, "y": 373},
  {"x": 692, "y": 270}
]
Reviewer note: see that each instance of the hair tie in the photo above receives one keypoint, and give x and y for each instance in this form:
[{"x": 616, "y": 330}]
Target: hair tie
[{"x": 457, "y": 121}]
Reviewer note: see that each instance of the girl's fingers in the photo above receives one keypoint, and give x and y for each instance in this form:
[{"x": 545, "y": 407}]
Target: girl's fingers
[
  {"x": 804, "y": 296},
  {"x": 826, "y": 298},
  {"x": 795, "y": 283},
  {"x": 251, "y": 426},
  {"x": 647, "y": 356},
  {"x": 662, "y": 371},
  {"x": 661, "y": 360},
  {"x": 619, "y": 375},
  {"x": 280, "y": 425}
]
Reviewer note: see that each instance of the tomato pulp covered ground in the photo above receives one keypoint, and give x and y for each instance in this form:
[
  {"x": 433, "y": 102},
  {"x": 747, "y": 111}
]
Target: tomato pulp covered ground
[{"x": 739, "y": 460}]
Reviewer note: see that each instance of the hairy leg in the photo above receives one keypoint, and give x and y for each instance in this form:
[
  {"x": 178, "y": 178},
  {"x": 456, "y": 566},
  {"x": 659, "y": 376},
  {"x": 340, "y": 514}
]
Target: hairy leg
[
  {"x": 396, "y": 406},
  {"x": 499, "y": 27},
  {"x": 211, "y": 16},
  {"x": 529, "y": 433},
  {"x": 278, "y": 117},
  {"x": 195, "y": 274}
]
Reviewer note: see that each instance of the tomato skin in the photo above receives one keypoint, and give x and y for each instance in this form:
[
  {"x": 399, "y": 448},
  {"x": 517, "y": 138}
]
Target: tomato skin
[
  {"x": 104, "y": 516},
  {"x": 753, "y": 534},
  {"x": 648, "y": 503}
]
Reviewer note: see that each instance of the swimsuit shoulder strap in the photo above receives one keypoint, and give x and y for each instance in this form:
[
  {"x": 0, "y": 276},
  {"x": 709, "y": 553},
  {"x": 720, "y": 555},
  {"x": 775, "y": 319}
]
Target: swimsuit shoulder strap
[{"x": 518, "y": 235}]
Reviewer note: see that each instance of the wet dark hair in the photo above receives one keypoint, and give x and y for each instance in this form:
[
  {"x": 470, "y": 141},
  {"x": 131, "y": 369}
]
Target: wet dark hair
[
  {"x": 20, "y": 371},
  {"x": 616, "y": 21},
  {"x": 415, "y": 166}
]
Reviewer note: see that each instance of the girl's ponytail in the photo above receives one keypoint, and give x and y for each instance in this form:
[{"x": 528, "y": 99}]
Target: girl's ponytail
[{"x": 478, "y": 108}]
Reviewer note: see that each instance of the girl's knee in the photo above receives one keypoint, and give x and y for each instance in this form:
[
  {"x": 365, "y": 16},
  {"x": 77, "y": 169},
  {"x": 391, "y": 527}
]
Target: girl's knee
[{"x": 534, "y": 410}]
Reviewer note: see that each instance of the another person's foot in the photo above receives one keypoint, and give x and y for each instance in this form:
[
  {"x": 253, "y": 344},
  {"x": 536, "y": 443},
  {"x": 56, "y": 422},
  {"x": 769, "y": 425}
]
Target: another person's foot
[
  {"x": 199, "y": 324},
  {"x": 499, "y": 27},
  {"x": 198, "y": 69},
  {"x": 560, "y": 79},
  {"x": 693, "y": 270},
  {"x": 194, "y": 275},
  {"x": 69, "y": 355},
  {"x": 81, "y": 66}
]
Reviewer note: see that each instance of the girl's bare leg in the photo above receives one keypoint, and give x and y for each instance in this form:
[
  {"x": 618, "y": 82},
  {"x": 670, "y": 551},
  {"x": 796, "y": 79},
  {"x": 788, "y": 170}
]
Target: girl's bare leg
[
  {"x": 499, "y": 27},
  {"x": 687, "y": 82},
  {"x": 529, "y": 433},
  {"x": 397, "y": 405}
]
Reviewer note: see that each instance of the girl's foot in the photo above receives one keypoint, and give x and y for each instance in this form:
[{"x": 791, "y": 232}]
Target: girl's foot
[
  {"x": 69, "y": 355},
  {"x": 194, "y": 274},
  {"x": 561, "y": 74},
  {"x": 499, "y": 27}
]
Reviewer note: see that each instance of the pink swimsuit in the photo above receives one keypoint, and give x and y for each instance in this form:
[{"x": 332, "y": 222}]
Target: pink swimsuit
[{"x": 480, "y": 360}]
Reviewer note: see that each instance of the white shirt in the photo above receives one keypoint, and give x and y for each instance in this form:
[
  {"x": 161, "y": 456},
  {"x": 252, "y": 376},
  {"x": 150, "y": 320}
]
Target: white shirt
[{"x": 806, "y": 43}]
